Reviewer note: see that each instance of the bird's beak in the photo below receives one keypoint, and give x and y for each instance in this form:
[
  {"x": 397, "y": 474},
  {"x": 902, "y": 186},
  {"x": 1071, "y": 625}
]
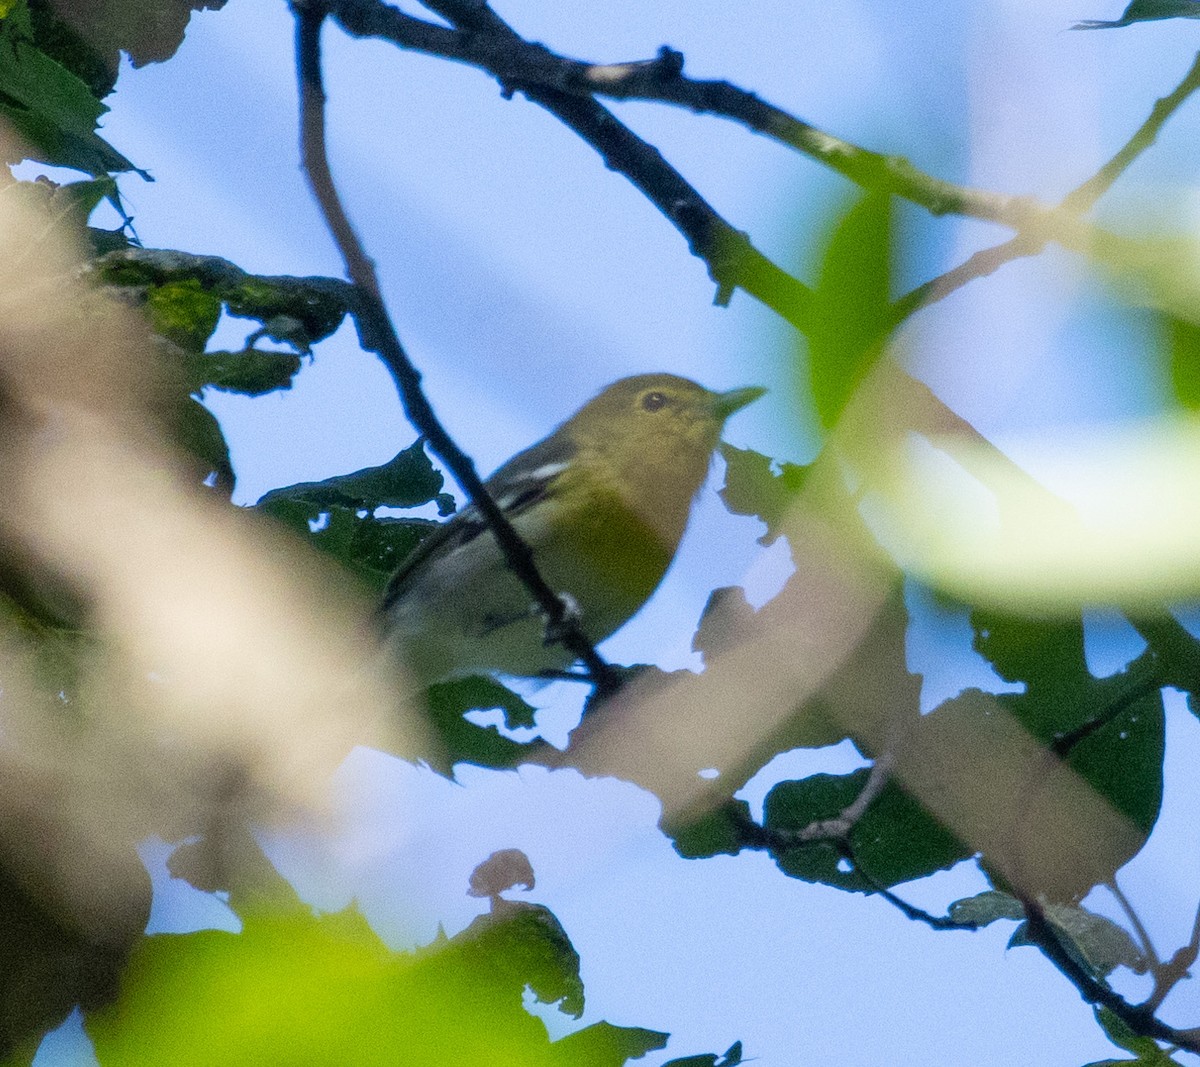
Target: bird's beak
[{"x": 725, "y": 404}]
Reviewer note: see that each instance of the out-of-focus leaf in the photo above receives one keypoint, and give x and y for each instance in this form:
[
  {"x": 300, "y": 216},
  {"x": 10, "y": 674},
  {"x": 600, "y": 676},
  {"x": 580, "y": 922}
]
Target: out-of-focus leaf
[
  {"x": 294, "y": 989},
  {"x": 719, "y": 831},
  {"x": 197, "y": 430},
  {"x": 501, "y": 871},
  {"x": 1103, "y": 945},
  {"x": 53, "y": 112},
  {"x": 1183, "y": 346},
  {"x": 894, "y": 841},
  {"x": 297, "y": 311},
  {"x": 1123, "y": 759},
  {"x": 985, "y": 908},
  {"x": 605, "y": 1045},
  {"x": 850, "y": 308},
  {"x": 732, "y": 1057},
  {"x": 757, "y": 485},
  {"x": 1145, "y": 11}
]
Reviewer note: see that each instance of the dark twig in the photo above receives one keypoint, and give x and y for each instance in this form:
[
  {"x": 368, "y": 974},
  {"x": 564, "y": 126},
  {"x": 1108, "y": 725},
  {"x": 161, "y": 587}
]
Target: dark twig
[
  {"x": 525, "y": 65},
  {"x": 1141, "y": 678},
  {"x": 1139, "y": 1018},
  {"x": 732, "y": 261},
  {"x": 379, "y": 335}
]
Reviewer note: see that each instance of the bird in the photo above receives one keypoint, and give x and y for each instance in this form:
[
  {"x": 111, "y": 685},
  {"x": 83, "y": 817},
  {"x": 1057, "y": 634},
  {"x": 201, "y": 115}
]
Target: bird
[{"x": 602, "y": 502}]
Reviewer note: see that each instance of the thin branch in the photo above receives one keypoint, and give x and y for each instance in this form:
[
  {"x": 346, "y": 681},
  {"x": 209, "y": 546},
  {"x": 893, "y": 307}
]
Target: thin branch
[
  {"x": 732, "y": 261},
  {"x": 1139, "y": 1018},
  {"x": 523, "y": 65},
  {"x": 1135, "y": 920},
  {"x": 1085, "y": 196},
  {"x": 1169, "y": 974},
  {"x": 1141, "y": 678},
  {"x": 379, "y": 335},
  {"x": 1042, "y": 224}
]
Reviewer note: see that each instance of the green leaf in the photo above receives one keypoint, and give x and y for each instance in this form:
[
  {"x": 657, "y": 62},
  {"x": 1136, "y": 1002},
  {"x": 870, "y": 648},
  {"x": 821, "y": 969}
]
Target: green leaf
[
  {"x": 718, "y": 831},
  {"x": 1122, "y": 1035},
  {"x": 605, "y": 1045},
  {"x": 336, "y": 515},
  {"x": 759, "y": 486},
  {"x": 894, "y": 841},
  {"x": 732, "y": 1057},
  {"x": 370, "y": 548},
  {"x": 1099, "y": 942},
  {"x": 198, "y": 431},
  {"x": 1183, "y": 347},
  {"x": 1146, "y": 11},
  {"x": 850, "y": 307},
  {"x": 407, "y": 480},
  {"x": 467, "y": 742},
  {"x": 184, "y": 312},
  {"x": 293, "y": 990},
  {"x": 52, "y": 111},
  {"x": 251, "y": 372},
  {"x": 295, "y": 311},
  {"x": 1121, "y": 760}
]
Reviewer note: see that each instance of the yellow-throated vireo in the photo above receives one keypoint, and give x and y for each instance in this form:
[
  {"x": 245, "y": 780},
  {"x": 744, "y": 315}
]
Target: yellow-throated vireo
[{"x": 602, "y": 502}]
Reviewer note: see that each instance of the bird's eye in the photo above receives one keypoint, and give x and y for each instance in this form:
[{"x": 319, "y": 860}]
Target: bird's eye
[{"x": 654, "y": 401}]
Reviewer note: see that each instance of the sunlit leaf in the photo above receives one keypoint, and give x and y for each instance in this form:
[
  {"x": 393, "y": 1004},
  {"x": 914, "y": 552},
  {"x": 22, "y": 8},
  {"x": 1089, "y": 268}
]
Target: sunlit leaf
[{"x": 296, "y": 989}]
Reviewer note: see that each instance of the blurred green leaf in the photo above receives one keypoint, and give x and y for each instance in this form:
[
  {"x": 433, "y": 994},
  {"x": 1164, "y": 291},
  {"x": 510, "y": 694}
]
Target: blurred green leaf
[
  {"x": 251, "y": 371},
  {"x": 1183, "y": 346},
  {"x": 1122, "y": 759},
  {"x": 731, "y": 1058},
  {"x": 294, "y": 989},
  {"x": 850, "y": 309},
  {"x": 718, "y": 831},
  {"x": 1145, "y": 1049},
  {"x": 1145, "y": 11},
  {"x": 295, "y": 311},
  {"x": 198, "y": 431}
]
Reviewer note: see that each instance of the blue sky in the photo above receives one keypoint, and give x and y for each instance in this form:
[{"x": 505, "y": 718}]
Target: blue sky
[{"x": 523, "y": 277}]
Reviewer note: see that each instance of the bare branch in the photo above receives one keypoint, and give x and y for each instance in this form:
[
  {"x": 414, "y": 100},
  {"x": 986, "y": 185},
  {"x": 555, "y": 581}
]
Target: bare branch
[
  {"x": 379, "y": 335},
  {"x": 528, "y": 66},
  {"x": 1031, "y": 239},
  {"x": 1085, "y": 196},
  {"x": 1169, "y": 974}
]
